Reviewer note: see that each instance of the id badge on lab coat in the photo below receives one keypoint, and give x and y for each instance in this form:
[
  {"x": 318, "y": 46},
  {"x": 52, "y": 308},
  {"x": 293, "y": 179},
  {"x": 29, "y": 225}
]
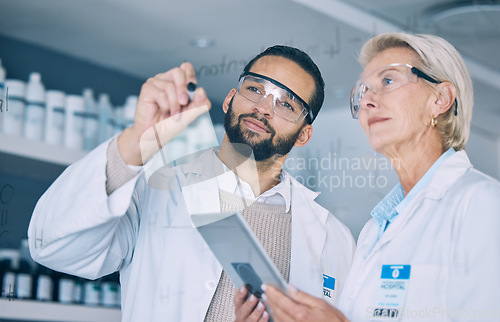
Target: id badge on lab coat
[{"x": 392, "y": 292}]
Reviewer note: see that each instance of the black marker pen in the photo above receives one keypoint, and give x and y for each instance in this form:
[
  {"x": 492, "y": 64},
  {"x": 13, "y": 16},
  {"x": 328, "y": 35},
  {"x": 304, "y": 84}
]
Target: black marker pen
[{"x": 191, "y": 88}]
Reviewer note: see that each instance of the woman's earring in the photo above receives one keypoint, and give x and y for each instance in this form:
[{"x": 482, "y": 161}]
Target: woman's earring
[{"x": 434, "y": 122}]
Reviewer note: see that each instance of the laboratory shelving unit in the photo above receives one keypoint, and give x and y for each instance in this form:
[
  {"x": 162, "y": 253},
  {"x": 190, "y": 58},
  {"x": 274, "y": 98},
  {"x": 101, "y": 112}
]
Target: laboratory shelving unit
[
  {"x": 43, "y": 161},
  {"x": 38, "y": 151}
]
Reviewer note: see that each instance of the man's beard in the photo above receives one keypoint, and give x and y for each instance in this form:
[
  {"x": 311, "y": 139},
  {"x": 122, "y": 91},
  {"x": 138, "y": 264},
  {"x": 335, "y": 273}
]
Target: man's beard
[{"x": 262, "y": 150}]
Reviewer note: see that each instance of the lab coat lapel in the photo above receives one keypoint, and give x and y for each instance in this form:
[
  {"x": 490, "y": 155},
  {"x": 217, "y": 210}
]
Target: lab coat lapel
[{"x": 308, "y": 240}]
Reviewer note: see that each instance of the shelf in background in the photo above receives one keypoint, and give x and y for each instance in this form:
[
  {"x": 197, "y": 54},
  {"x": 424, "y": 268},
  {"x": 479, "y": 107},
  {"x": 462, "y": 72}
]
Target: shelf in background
[
  {"x": 50, "y": 311},
  {"x": 40, "y": 151}
]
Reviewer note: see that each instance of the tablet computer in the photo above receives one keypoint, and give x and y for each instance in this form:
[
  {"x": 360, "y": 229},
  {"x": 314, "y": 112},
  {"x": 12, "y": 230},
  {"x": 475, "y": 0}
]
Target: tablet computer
[{"x": 239, "y": 251}]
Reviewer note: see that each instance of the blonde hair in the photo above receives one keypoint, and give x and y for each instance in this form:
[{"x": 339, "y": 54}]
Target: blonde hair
[{"x": 440, "y": 60}]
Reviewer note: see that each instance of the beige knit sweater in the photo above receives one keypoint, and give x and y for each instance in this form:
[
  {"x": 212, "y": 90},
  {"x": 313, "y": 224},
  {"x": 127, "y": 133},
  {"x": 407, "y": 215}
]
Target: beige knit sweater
[{"x": 272, "y": 226}]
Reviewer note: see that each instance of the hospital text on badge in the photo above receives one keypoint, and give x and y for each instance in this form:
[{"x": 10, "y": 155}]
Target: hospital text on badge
[{"x": 392, "y": 292}]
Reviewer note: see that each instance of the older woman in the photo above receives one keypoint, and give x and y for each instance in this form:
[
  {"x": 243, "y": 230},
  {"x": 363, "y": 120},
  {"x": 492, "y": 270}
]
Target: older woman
[{"x": 432, "y": 249}]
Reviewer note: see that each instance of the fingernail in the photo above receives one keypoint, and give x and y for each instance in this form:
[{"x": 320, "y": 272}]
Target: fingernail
[
  {"x": 184, "y": 99},
  {"x": 260, "y": 306},
  {"x": 252, "y": 298},
  {"x": 264, "y": 297},
  {"x": 292, "y": 289},
  {"x": 263, "y": 287},
  {"x": 264, "y": 315},
  {"x": 200, "y": 95},
  {"x": 242, "y": 289}
]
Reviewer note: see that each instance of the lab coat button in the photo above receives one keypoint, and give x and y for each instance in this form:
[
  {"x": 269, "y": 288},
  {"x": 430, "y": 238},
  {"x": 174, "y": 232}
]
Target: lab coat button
[{"x": 211, "y": 285}]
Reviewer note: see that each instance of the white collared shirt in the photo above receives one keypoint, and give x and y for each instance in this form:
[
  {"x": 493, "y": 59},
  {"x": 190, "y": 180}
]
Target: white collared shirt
[{"x": 278, "y": 195}]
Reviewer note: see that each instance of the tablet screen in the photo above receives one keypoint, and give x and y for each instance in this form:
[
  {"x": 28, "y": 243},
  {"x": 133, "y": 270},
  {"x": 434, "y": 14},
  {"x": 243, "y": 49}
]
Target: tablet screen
[{"x": 239, "y": 251}]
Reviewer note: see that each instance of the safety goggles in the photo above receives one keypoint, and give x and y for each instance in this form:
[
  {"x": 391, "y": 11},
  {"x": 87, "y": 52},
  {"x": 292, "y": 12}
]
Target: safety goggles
[
  {"x": 387, "y": 79},
  {"x": 286, "y": 103}
]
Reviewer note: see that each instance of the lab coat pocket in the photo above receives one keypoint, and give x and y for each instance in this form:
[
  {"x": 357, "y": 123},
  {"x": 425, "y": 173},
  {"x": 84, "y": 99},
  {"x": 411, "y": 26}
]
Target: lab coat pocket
[{"x": 426, "y": 298}]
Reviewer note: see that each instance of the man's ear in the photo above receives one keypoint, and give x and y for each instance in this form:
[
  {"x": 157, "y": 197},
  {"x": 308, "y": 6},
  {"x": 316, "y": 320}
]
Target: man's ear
[
  {"x": 304, "y": 136},
  {"x": 447, "y": 94},
  {"x": 227, "y": 100}
]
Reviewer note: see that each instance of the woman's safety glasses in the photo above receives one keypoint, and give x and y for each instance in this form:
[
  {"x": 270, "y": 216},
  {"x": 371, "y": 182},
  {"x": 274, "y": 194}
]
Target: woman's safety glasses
[
  {"x": 384, "y": 80},
  {"x": 286, "y": 103}
]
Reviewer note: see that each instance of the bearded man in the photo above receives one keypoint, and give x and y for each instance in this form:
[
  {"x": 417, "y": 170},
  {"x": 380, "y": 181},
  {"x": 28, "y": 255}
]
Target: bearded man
[{"x": 102, "y": 215}]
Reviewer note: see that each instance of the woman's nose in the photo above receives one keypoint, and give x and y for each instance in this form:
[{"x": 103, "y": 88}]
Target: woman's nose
[{"x": 368, "y": 100}]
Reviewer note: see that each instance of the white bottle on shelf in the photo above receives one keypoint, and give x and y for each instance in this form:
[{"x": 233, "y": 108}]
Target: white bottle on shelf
[
  {"x": 11, "y": 257},
  {"x": 2, "y": 91},
  {"x": 91, "y": 120},
  {"x": 92, "y": 292},
  {"x": 109, "y": 290},
  {"x": 117, "y": 124},
  {"x": 24, "y": 277},
  {"x": 44, "y": 283},
  {"x": 35, "y": 108},
  {"x": 129, "y": 110},
  {"x": 65, "y": 288},
  {"x": 13, "y": 114},
  {"x": 105, "y": 117},
  {"x": 75, "y": 121},
  {"x": 54, "y": 117}
]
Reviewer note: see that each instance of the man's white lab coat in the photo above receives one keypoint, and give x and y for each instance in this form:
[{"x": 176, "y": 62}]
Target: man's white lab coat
[{"x": 167, "y": 271}]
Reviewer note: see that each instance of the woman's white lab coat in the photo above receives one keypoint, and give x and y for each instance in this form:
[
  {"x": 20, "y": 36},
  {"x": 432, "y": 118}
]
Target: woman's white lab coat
[
  {"x": 450, "y": 235},
  {"x": 167, "y": 271}
]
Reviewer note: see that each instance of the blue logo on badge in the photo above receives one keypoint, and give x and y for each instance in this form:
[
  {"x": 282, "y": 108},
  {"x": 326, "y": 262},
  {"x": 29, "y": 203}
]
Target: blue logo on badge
[
  {"x": 398, "y": 272},
  {"x": 328, "y": 285},
  {"x": 328, "y": 282}
]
